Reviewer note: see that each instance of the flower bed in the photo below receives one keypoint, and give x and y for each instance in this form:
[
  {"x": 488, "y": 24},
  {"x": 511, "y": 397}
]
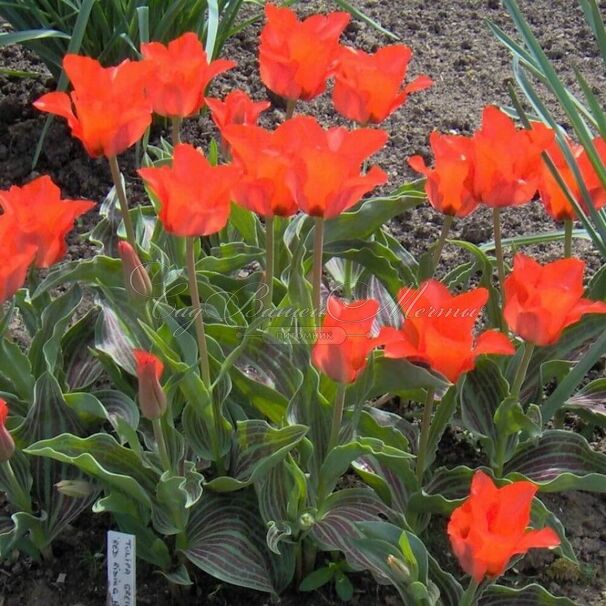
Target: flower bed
[{"x": 391, "y": 345}]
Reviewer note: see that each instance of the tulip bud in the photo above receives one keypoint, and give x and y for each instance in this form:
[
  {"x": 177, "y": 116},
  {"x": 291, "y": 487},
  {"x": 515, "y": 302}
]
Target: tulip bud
[
  {"x": 152, "y": 399},
  {"x": 399, "y": 568},
  {"x": 306, "y": 521},
  {"x": 78, "y": 489},
  {"x": 136, "y": 278},
  {"x": 7, "y": 445}
]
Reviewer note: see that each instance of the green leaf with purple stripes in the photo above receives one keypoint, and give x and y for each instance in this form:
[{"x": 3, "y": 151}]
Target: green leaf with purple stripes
[
  {"x": 590, "y": 403},
  {"x": 226, "y": 539},
  {"x": 559, "y": 460},
  {"x": 257, "y": 448},
  {"x": 335, "y": 526},
  {"x": 532, "y": 595},
  {"x": 50, "y": 416}
]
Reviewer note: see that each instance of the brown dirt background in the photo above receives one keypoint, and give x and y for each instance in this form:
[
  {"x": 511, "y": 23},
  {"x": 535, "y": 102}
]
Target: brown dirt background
[{"x": 453, "y": 45}]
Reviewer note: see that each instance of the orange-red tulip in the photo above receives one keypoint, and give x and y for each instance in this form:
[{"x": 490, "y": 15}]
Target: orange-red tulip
[
  {"x": 16, "y": 256},
  {"x": 328, "y": 172},
  {"x": 194, "y": 195},
  {"x": 266, "y": 162},
  {"x": 152, "y": 399},
  {"x": 449, "y": 185},
  {"x": 552, "y": 196},
  {"x": 368, "y": 87},
  {"x": 492, "y": 526},
  {"x": 237, "y": 108},
  {"x": 7, "y": 445},
  {"x": 438, "y": 330},
  {"x": 296, "y": 57},
  {"x": 507, "y": 160},
  {"x": 344, "y": 340},
  {"x": 180, "y": 74},
  {"x": 542, "y": 300},
  {"x": 108, "y": 109},
  {"x": 42, "y": 217}
]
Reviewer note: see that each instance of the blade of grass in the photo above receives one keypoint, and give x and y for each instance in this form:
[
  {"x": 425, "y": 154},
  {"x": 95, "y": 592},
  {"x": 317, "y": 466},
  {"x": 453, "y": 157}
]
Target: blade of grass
[{"x": 356, "y": 12}]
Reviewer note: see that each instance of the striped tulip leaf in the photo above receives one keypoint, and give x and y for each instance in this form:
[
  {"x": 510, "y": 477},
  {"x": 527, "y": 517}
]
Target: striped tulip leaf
[
  {"x": 335, "y": 526},
  {"x": 257, "y": 448},
  {"x": 101, "y": 457},
  {"x": 532, "y": 595},
  {"x": 50, "y": 416},
  {"x": 45, "y": 350},
  {"x": 226, "y": 539},
  {"x": 365, "y": 219},
  {"x": 340, "y": 458},
  {"x": 590, "y": 403},
  {"x": 81, "y": 367},
  {"x": 400, "y": 558},
  {"x": 481, "y": 392},
  {"x": 559, "y": 460}
]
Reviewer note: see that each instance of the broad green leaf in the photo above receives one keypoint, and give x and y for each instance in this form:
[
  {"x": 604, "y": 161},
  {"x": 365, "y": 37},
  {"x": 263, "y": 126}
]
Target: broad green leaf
[
  {"x": 531, "y": 595},
  {"x": 226, "y": 539},
  {"x": 101, "y": 457},
  {"x": 335, "y": 526},
  {"x": 560, "y": 460},
  {"x": 258, "y": 447}
]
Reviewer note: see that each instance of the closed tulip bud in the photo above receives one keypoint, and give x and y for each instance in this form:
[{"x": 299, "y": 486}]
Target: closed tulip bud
[
  {"x": 136, "y": 278},
  {"x": 78, "y": 489},
  {"x": 399, "y": 568},
  {"x": 306, "y": 521},
  {"x": 152, "y": 399},
  {"x": 7, "y": 445}
]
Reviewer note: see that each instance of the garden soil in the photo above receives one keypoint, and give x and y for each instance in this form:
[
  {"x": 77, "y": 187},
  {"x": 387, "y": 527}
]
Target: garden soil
[{"x": 452, "y": 44}]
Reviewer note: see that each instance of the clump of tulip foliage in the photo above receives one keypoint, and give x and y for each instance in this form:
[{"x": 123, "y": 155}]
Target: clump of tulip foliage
[{"x": 250, "y": 324}]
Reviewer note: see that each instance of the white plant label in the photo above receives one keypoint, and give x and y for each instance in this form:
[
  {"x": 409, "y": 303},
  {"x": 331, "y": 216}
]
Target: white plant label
[{"x": 121, "y": 569}]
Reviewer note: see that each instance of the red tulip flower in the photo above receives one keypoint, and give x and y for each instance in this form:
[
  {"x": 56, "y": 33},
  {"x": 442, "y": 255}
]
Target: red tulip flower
[
  {"x": 368, "y": 87},
  {"x": 552, "y": 196},
  {"x": 296, "y": 57},
  {"x": 507, "y": 161},
  {"x": 108, "y": 109},
  {"x": 237, "y": 108},
  {"x": 266, "y": 162},
  {"x": 7, "y": 445},
  {"x": 344, "y": 340},
  {"x": 152, "y": 399},
  {"x": 449, "y": 185},
  {"x": 42, "y": 217},
  {"x": 194, "y": 195},
  {"x": 180, "y": 73},
  {"x": 438, "y": 330},
  {"x": 492, "y": 526},
  {"x": 328, "y": 172},
  {"x": 542, "y": 300},
  {"x": 16, "y": 256}
]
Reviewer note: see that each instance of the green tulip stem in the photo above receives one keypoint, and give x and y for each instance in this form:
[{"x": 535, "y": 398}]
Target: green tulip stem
[
  {"x": 121, "y": 193},
  {"x": 568, "y": 238},
  {"x": 317, "y": 268},
  {"x": 268, "y": 295},
  {"x": 161, "y": 442},
  {"x": 175, "y": 124},
  {"x": 337, "y": 417},
  {"x": 197, "y": 309},
  {"x": 291, "y": 105},
  {"x": 522, "y": 370},
  {"x": 438, "y": 247},
  {"x": 424, "y": 437},
  {"x": 498, "y": 247},
  {"x": 469, "y": 597}
]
